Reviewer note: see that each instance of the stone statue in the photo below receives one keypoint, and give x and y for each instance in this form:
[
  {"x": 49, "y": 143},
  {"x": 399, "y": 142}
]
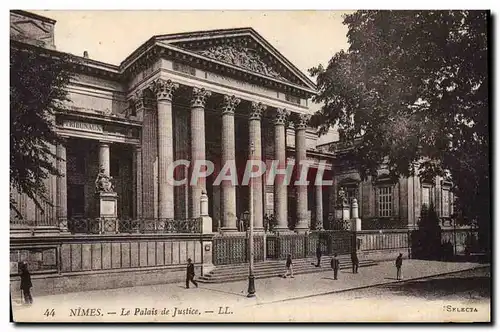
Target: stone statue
[
  {"x": 103, "y": 182},
  {"x": 341, "y": 199}
]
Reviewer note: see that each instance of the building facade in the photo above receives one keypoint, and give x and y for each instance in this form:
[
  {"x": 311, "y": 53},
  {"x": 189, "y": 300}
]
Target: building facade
[{"x": 225, "y": 96}]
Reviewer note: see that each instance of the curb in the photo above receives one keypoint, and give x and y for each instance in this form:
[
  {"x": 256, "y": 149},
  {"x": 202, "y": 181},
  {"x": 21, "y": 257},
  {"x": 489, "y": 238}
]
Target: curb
[{"x": 374, "y": 285}]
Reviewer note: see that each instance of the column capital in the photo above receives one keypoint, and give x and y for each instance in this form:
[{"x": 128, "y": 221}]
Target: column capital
[
  {"x": 301, "y": 121},
  {"x": 256, "y": 110},
  {"x": 229, "y": 105},
  {"x": 199, "y": 97},
  {"x": 281, "y": 116},
  {"x": 104, "y": 143},
  {"x": 164, "y": 89}
]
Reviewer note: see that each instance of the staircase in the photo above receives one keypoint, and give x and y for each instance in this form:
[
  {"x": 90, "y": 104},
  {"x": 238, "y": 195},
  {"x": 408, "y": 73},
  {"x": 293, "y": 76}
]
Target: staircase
[{"x": 273, "y": 268}]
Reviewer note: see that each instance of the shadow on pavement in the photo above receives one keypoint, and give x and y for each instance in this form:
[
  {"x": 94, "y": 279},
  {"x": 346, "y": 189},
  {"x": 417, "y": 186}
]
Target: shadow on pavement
[{"x": 476, "y": 287}]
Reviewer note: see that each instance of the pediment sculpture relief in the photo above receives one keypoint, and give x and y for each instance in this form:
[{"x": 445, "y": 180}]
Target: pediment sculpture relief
[{"x": 242, "y": 57}]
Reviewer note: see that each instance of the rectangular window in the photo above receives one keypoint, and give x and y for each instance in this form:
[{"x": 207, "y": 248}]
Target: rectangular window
[
  {"x": 384, "y": 201},
  {"x": 426, "y": 192},
  {"x": 446, "y": 203}
]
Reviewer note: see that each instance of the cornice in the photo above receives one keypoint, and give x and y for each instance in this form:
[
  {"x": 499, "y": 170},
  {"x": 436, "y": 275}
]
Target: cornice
[{"x": 153, "y": 49}]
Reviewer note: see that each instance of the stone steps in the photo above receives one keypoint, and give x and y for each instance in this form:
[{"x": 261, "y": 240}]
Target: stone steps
[{"x": 270, "y": 269}]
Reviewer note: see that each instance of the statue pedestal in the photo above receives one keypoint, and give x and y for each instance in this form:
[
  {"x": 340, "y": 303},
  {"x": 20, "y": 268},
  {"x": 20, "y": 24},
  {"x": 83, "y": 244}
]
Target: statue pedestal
[
  {"x": 342, "y": 212},
  {"x": 355, "y": 224},
  {"x": 107, "y": 206}
]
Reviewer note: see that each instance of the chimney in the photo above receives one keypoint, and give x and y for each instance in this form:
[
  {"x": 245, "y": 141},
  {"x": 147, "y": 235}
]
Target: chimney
[{"x": 85, "y": 54}]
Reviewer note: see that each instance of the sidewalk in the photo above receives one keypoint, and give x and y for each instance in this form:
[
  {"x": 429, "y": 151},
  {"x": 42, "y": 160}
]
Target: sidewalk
[{"x": 216, "y": 297}]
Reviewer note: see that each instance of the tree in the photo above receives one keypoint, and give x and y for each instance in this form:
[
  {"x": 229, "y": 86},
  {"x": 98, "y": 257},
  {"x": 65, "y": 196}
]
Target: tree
[
  {"x": 412, "y": 92},
  {"x": 38, "y": 80}
]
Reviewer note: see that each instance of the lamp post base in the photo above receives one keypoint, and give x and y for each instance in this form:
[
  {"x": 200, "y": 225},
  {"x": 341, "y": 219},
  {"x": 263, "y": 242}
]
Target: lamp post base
[{"x": 251, "y": 286}]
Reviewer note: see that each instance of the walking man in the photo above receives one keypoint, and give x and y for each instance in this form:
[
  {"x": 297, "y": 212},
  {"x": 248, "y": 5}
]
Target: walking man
[
  {"x": 318, "y": 255},
  {"x": 26, "y": 283},
  {"x": 289, "y": 266},
  {"x": 335, "y": 266},
  {"x": 355, "y": 262},
  {"x": 399, "y": 263},
  {"x": 190, "y": 274}
]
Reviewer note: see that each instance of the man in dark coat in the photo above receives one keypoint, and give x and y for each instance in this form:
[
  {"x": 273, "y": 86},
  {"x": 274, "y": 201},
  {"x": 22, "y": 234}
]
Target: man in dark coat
[
  {"x": 318, "y": 255},
  {"x": 26, "y": 283},
  {"x": 355, "y": 262},
  {"x": 289, "y": 266},
  {"x": 190, "y": 274},
  {"x": 335, "y": 264},
  {"x": 399, "y": 263}
]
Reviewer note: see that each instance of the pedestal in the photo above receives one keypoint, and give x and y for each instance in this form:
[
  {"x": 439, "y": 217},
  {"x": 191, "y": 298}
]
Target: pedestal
[
  {"x": 355, "y": 224},
  {"x": 107, "y": 208},
  {"x": 342, "y": 212}
]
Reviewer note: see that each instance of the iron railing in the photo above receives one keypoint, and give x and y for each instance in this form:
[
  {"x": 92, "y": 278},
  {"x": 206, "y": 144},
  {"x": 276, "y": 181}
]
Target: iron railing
[
  {"x": 144, "y": 226},
  {"x": 233, "y": 249}
]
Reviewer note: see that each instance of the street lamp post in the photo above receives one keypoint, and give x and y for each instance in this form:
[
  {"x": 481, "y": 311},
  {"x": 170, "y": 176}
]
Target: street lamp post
[{"x": 251, "y": 278}]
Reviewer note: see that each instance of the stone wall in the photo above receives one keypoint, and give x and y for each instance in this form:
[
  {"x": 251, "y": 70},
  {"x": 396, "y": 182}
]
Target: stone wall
[{"x": 89, "y": 262}]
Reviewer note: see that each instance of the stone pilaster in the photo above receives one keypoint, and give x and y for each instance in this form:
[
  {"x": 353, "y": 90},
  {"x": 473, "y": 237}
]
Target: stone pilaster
[
  {"x": 198, "y": 101},
  {"x": 164, "y": 90},
  {"x": 138, "y": 181},
  {"x": 62, "y": 187},
  {"x": 228, "y": 189},
  {"x": 319, "y": 206},
  {"x": 280, "y": 185},
  {"x": 300, "y": 156},
  {"x": 255, "y": 137}
]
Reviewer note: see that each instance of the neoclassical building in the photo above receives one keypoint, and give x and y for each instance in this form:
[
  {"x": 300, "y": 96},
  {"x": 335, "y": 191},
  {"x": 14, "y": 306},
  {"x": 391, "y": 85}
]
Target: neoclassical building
[
  {"x": 195, "y": 96},
  {"x": 226, "y": 96}
]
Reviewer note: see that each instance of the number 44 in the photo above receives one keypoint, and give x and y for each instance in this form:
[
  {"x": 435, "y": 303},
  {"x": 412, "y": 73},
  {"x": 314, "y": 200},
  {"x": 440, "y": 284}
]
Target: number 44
[{"x": 49, "y": 312}]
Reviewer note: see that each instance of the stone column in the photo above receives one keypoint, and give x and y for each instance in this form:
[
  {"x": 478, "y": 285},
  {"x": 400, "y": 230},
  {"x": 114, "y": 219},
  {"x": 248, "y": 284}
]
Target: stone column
[
  {"x": 255, "y": 137},
  {"x": 228, "y": 196},
  {"x": 300, "y": 156},
  {"x": 138, "y": 181},
  {"x": 164, "y": 91},
  {"x": 62, "y": 187},
  {"x": 104, "y": 160},
  {"x": 198, "y": 144},
  {"x": 280, "y": 185},
  {"x": 319, "y": 207}
]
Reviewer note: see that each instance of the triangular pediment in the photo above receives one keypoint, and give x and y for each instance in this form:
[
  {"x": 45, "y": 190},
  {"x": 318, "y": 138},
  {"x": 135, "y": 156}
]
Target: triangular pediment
[{"x": 243, "y": 48}]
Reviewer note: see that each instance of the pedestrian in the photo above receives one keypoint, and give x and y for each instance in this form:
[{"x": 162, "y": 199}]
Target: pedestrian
[
  {"x": 190, "y": 274},
  {"x": 399, "y": 263},
  {"x": 289, "y": 266},
  {"x": 335, "y": 264},
  {"x": 355, "y": 262},
  {"x": 26, "y": 284},
  {"x": 318, "y": 255}
]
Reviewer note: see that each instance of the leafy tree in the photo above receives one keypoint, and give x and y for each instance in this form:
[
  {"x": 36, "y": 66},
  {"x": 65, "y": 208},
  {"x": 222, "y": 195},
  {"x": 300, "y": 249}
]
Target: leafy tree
[
  {"x": 38, "y": 80},
  {"x": 412, "y": 92}
]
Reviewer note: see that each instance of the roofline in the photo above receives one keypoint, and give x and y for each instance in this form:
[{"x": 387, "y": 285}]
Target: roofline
[
  {"x": 250, "y": 30},
  {"x": 33, "y": 15},
  {"x": 81, "y": 60}
]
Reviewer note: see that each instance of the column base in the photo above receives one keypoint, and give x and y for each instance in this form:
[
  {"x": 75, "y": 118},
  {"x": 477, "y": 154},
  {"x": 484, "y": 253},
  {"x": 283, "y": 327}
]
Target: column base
[
  {"x": 302, "y": 226},
  {"x": 229, "y": 230},
  {"x": 282, "y": 230}
]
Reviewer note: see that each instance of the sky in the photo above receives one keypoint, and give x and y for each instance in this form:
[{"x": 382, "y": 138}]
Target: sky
[{"x": 306, "y": 38}]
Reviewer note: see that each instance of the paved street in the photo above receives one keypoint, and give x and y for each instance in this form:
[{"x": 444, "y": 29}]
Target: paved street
[{"x": 313, "y": 297}]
